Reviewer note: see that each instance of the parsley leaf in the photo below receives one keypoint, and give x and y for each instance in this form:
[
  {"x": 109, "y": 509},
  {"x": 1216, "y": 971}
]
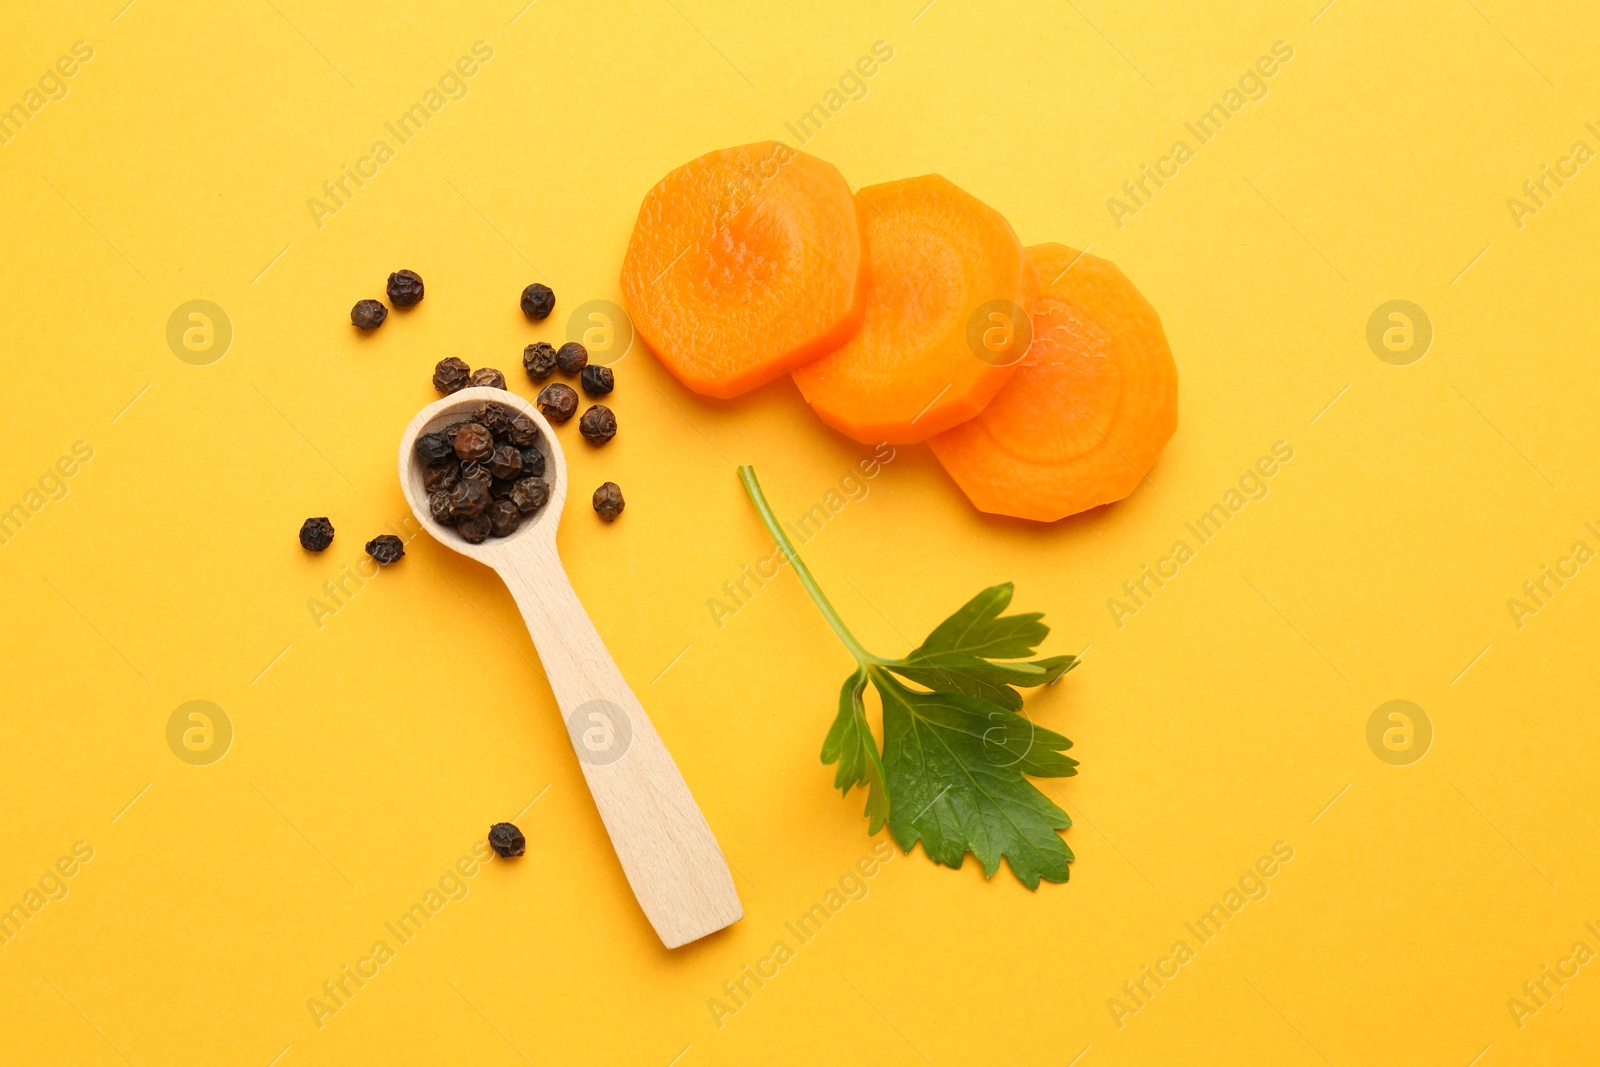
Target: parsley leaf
[
  {"x": 959, "y": 655},
  {"x": 851, "y": 746},
  {"x": 956, "y": 750},
  {"x": 955, "y": 766}
]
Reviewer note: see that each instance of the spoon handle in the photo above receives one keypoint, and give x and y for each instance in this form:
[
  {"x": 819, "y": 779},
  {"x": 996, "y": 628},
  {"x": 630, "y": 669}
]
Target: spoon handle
[{"x": 669, "y": 854}]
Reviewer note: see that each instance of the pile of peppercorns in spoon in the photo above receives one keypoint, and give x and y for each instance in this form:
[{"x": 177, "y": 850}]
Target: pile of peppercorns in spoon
[{"x": 484, "y": 475}]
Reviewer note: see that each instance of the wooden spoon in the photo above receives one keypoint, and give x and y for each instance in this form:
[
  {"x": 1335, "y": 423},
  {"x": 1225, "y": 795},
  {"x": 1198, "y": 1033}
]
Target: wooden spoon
[{"x": 667, "y": 851}]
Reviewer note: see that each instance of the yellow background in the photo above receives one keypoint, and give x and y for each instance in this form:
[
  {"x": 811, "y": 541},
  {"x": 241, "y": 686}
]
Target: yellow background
[{"x": 371, "y": 752}]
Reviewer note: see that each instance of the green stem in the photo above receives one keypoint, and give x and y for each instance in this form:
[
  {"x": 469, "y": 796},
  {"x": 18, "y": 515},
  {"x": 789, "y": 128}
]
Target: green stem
[{"x": 747, "y": 475}]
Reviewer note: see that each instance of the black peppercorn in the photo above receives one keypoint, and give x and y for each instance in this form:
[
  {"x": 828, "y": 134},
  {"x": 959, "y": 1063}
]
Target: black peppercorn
[
  {"x": 405, "y": 288},
  {"x": 451, "y": 374},
  {"x": 439, "y": 507},
  {"x": 538, "y": 301},
  {"x": 368, "y": 314},
  {"x": 487, "y": 376},
  {"x": 434, "y": 448},
  {"x": 529, "y": 494},
  {"x": 506, "y": 462},
  {"x": 441, "y": 477},
  {"x": 507, "y": 840},
  {"x": 572, "y": 357},
  {"x": 469, "y": 497},
  {"x": 475, "y": 530},
  {"x": 496, "y": 418},
  {"x": 608, "y": 502},
  {"x": 473, "y": 441},
  {"x": 597, "y": 380},
  {"x": 598, "y": 425},
  {"x": 539, "y": 360},
  {"x": 557, "y": 402},
  {"x": 316, "y": 534},
  {"x": 532, "y": 463},
  {"x": 504, "y": 518},
  {"x": 386, "y": 548},
  {"x": 523, "y": 431}
]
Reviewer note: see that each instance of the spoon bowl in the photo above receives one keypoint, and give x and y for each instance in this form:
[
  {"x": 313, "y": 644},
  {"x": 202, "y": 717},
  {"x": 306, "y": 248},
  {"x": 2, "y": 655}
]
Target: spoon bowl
[
  {"x": 454, "y": 408},
  {"x": 667, "y": 851}
]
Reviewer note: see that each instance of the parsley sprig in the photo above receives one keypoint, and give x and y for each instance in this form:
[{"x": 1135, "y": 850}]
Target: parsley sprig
[{"x": 956, "y": 748}]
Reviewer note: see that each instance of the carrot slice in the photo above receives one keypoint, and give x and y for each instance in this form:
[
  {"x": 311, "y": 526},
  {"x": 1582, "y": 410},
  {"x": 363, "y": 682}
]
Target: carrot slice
[
  {"x": 744, "y": 264},
  {"x": 1091, "y": 405},
  {"x": 946, "y": 270}
]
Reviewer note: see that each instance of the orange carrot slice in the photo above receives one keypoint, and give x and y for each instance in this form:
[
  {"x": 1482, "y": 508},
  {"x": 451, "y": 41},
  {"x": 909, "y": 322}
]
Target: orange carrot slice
[
  {"x": 1089, "y": 409},
  {"x": 744, "y": 264},
  {"x": 945, "y": 323}
]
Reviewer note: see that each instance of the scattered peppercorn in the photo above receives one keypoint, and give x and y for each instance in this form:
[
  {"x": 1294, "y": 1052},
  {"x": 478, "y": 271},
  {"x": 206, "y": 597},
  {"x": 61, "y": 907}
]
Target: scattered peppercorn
[
  {"x": 434, "y": 448},
  {"x": 474, "y": 441},
  {"x": 529, "y": 494},
  {"x": 504, "y": 518},
  {"x": 598, "y": 425},
  {"x": 507, "y": 840},
  {"x": 572, "y": 357},
  {"x": 539, "y": 360},
  {"x": 487, "y": 376},
  {"x": 368, "y": 314},
  {"x": 316, "y": 534},
  {"x": 538, "y": 301},
  {"x": 451, "y": 374},
  {"x": 405, "y": 288},
  {"x": 557, "y": 402},
  {"x": 386, "y": 548},
  {"x": 608, "y": 502},
  {"x": 597, "y": 380},
  {"x": 506, "y": 462},
  {"x": 490, "y": 476}
]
